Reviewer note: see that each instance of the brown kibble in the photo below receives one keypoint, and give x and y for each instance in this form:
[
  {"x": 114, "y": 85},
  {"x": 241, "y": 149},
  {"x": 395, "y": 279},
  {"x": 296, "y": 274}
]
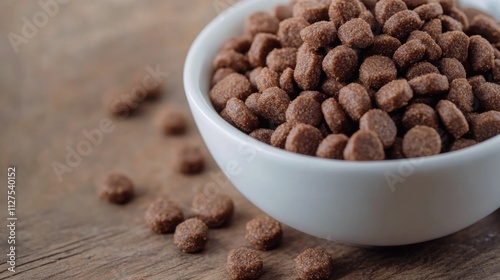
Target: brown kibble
[
  {"x": 429, "y": 85},
  {"x": 434, "y": 28},
  {"x": 117, "y": 104},
  {"x": 163, "y": 216},
  {"x": 432, "y": 49},
  {"x": 171, "y": 122},
  {"x": 396, "y": 151},
  {"x": 273, "y": 104},
  {"x": 262, "y": 134},
  {"x": 447, "y": 5},
  {"x": 223, "y": 114},
  {"x": 376, "y": 71},
  {"x": 496, "y": 71},
  {"x": 261, "y": 22},
  {"x": 381, "y": 124},
  {"x": 412, "y": 4},
  {"x": 315, "y": 95},
  {"x": 262, "y": 45},
  {"x": 215, "y": 210},
  {"x": 289, "y": 32},
  {"x": 452, "y": 69},
  {"x": 420, "y": 69},
  {"x": 356, "y": 33},
  {"x": 312, "y": 11},
  {"x": 486, "y": 126},
  {"x": 280, "y": 59},
  {"x": 489, "y": 96},
  {"x": 335, "y": 117},
  {"x": 116, "y": 188},
  {"x": 242, "y": 117},
  {"x": 191, "y": 236},
  {"x": 231, "y": 59},
  {"x": 462, "y": 143},
  {"x": 282, "y": 12},
  {"x": 461, "y": 17},
  {"x": 238, "y": 44},
  {"x": 455, "y": 44},
  {"x": 421, "y": 141},
  {"x": 370, "y": 19},
  {"x": 486, "y": 27},
  {"x": 341, "y": 63},
  {"x": 450, "y": 24},
  {"x": 267, "y": 78},
  {"x": 332, "y": 146},
  {"x": 476, "y": 82},
  {"x": 394, "y": 95},
  {"x": 278, "y": 138},
  {"x": 303, "y": 139},
  {"x": 314, "y": 264},
  {"x": 252, "y": 75},
  {"x": 220, "y": 74},
  {"x": 332, "y": 87},
  {"x": 364, "y": 145},
  {"x": 355, "y": 100},
  {"x": 189, "y": 160},
  {"x": 307, "y": 72},
  {"x": 264, "y": 233},
  {"x": 461, "y": 95},
  {"x": 319, "y": 34},
  {"x": 402, "y": 24},
  {"x": 481, "y": 54},
  {"x": 304, "y": 110},
  {"x": 385, "y": 45},
  {"x": 234, "y": 85},
  {"x": 420, "y": 114},
  {"x": 244, "y": 264},
  {"x": 411, "y": 52},
  {"x": 252, "y": 103},
  {"x": 287, "y": 82},
  {"x": 452, "y": 118},
  {"x": 429, "y": 11},
  {"x": 342, "y": 11},
  {"x": 384, "y": 9}
]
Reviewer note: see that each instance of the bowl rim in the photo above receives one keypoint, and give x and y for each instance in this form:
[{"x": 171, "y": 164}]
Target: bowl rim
[{"x": 193, "y": 70}]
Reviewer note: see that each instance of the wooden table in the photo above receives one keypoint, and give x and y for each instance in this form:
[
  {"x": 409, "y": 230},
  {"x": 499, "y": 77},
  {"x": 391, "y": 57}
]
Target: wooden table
[{"x": 51, "y": 92}]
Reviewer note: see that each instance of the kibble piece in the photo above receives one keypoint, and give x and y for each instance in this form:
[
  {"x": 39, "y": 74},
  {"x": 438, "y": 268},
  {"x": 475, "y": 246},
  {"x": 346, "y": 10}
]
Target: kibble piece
[
  {"x": 262, "y": 45},
  {"x": 304, "y": 110},
  {"x": 287, "y": 82},
  {"x": 252, "y": 103},
  {"x": 264, "y": 233},
  {"x": 356, "y": 33},
  {"x": 252, "y": 75},
  {"x": 319, "y": 34},
  {"x": 307, "y": 72},
  {"x": 267, "y": 78},
  {"x": 244, "y": 264},
  {"x": 402, "y": 24},
  {"x": 396, "y": 151},
  {"x": 369, "y": 4},
  {"x": 332, "y": 87},
  {"x": 332, "y": 146},
  {"x": 191, "y": 236},
  {"x": 231, "y": 59},
  {"x": 462, "y": 144},
  {"x": 364, "y": 145},
  {"x": 420, "y": 114},
  {"x": 370, "y": 19},
  {"x": 432, "y": 49},
  {"x": 381, "y": 123},
  {"x": 234, "y": 85},
  {"x": 481, "y": 54},
  {"x": 455, "y": 44},
  {"x": 223, "y": 114},
  {"x": 335, "y": 117},
  {"x": 476, "y": 82},
  {"x": 452, "y": 69},
  {"x": 341, "y": 63},
  {"x": 461, "y": 95},
  {"x": 171, "y": 122},
  {"x": 412, "y": 4},
  {"x": 376, "y": 71},
  {"x": 452, "y": 118},
  {"x": 215, "y": 210},
  {"x": 315, "y": 95},
  {"x": 189, "y": 160},
  {"x": 434, "y": 28},
  {"x": 261, "y": 22},
  {"x": 117, "y": 104},
  {"x": 278, "y": 138},
  {"x": 289, "y": 32},
  {"x": 461, "y": 17},
  {"x": 241, "y": 115},
  {"x": 429, "y": 11},
  {"x": 355, "y": 100},
  {"x": 394, "y": 95},
  {"x": 486, "y": 126},
  {"x": 489, "y": 96},
  {"x": 384, "y": 9},
  {"x": 303, "y": 139},
  {"x": 486, "y": 27},
  {"x": 447, "y": 4},
  {"x": 411, "y": 52},
  {"x": 163, "y": 216},
  {"x": 429, "y": 85},
  {"x": 312, "y": 11},
  {"x": 262, "y": 134},
  {"x": 450, "y": 24},
  {"x": 238, "y": 44},
  {"x": 116, "y": 188},
  {"x": 314, "y": 264},
  {"x": 420, "y": 69},
  {"x": 421, "y": 141},
  {"x": 273, "y": 104},
  {"x": 385, "y": 45},
  {"x": 280, "y": 59},
  {"x": 282, "y": 12},
  {"x": 342, "y": 11},
  {"x": 496, "y": 71}
]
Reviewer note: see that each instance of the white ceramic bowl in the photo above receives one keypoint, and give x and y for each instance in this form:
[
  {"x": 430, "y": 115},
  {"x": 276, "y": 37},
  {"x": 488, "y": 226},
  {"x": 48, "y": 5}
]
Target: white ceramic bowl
[{"x": 348, "y": 202}]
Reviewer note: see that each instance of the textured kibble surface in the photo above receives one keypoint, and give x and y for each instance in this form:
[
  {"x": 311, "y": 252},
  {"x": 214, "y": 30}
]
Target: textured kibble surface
[
  {"x": 362, "y": 79},
  {"x": 116, "y": 188},
  {"x": 244, "y": 264},
  {"x": 264, "y": 233},
  {"x": 189, "y": 159},
  {"x": 215, "y": 210},
  {"x": 163, "y": 215},
  {"x": 314, "y": 263},
  {"x": 191, "y": 236}
]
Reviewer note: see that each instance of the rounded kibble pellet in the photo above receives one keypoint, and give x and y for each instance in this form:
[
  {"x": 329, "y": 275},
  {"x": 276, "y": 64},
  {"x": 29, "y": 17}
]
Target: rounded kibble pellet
[
  {"x": 304, "y": 110},
  {"x": 486, "y": 126},
  {"x": 171, "y": 122},
  {"x": 307, "y": 73},
  {"x": 421, "y": 141},
  {"x": 278, "y": 138},
  {"x": 420, "y": 69},
  {"x": 163, "y": 216},
  {"x": 458, "y": 15},
  {"x": 496, "y": 71},
  {"x": 220, "y": 74},
  {"x": 215, "y": 210},
  {"x": 488, "y": 95},
  {"x": 376, "y": 71},
  {"x": 273, "y": 104},
  {"x": 409, "y": 53},
  {"x": 432, "y": 50},
  {"x": 341, "y": 63},
  {"x": 355, "y": 100},
  {"x": 332, "y": 146},
  {"x": 264, "y": 233},
  {"x": 231, "y": 59},
  {"x": 452, "y": 118},
  {"x": 342, "y": 11},
  {"x": 420, "y": 114},
  {"x": 189, "y": 160},
  {"x": 434, "y": 28},
  {"x": 287, "y": 82},
  {"x": 267, "y": 78},
  {"x": 262, "y": 45},
  {"x": 455, "y": 44},
  {"x": 238, "y": 44},
  {"x": 447, "y": 4},
  {"x": 394, "y": 95},
  {"x": 282, "y": 12},
  {"x": 116, "y": 188},
  {"x": 356, "y": 33},
  {"x": 262, "y": 134},
  {"x": 261, "y": 22},
  {"x": 364, "y": 145},
  {"x": 381, "y": 123},
  {"x": 191, "y": 236},
  {"x": 429, "y": 11},
  {"x": 251, "y": 75},
  {"x": 370, "y": 19},
  {"x": 280, "y": 59},
  {"x": 476, "y": 82},
  {"x": 244, "y": 264},
  {"x": 487, "y": 27},
  {"x": 303, "y": 139},
  {"x": 334, "y": 115},
  {"x": 234, "y": 85},
  {"x": 241, "y": 115},
  {"x": 452, "y": 69},
  {"x": 462, "y": 143},
  {"x": 319, "y": 34},
  {"x": 312, "y": 11},
  {"x": 481, "y": 54},
  {"x": 332, "y": 87},
  {"x": 384, "y": 45},
  {"x": 461, "y": 95},
  {"x": 429, "y": 85},
  {"x": 402, "y": 24},
  {"x": 252, "y": 103},
  {"x": 289, "y": 32},
  {"x": 314, "y": 264},
  {"x": 315, "y": 95},
  {"x": 451, "y": 24},
  {"x": 384, "y": 9}
]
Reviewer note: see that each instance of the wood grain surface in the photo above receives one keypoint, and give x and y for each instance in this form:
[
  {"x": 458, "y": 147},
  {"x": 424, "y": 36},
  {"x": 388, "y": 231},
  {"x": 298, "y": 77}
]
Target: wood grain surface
[{"x": 51, "y": 92}]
